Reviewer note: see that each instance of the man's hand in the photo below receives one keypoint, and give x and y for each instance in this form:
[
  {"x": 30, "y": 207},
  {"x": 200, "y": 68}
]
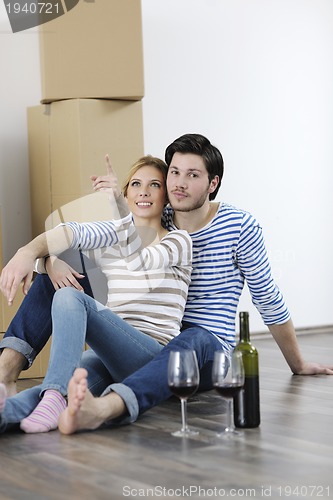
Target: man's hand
[
  {"x": 316, "y": 369},
  {"x": 285, "y": 337},
  {"x": 61, "y": 274},
  {"x": 19, "y": 268}
]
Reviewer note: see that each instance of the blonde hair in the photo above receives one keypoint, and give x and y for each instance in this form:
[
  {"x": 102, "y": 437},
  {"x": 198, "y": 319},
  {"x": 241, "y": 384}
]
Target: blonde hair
[{"x": 145, "y": 161}]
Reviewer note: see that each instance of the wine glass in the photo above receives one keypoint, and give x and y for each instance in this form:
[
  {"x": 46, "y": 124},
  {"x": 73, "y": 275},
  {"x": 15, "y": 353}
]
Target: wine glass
[
  {"x": 183, "y": 381},
  {"x": 228, "y": 379}
]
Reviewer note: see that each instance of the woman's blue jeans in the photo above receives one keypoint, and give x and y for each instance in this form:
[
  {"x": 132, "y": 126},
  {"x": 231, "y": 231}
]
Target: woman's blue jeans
[{"x": 77, "y": 318}]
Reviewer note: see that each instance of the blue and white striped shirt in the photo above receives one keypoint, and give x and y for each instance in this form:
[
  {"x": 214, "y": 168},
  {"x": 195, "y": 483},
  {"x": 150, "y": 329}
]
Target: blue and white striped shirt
[{"x": 226, "y": 252}]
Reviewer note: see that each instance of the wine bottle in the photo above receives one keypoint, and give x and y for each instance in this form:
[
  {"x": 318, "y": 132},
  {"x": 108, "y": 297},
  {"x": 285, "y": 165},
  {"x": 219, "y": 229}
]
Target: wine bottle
[{"x": 247, "y": 401}]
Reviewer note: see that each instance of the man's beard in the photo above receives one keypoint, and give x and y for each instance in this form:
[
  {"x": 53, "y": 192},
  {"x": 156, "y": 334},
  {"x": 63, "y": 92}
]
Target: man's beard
[{"x": 193, "y": 206}]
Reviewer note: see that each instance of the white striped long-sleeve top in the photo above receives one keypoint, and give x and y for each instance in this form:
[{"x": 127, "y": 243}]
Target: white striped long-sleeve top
[{"x": 147, "y": 287}]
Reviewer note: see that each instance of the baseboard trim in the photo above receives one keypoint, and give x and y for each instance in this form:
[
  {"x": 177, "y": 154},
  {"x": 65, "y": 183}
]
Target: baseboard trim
[{"x": 313, "y": 330}]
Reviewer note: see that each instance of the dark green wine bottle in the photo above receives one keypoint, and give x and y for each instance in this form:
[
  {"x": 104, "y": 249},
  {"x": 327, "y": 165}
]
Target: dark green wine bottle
[{"x": 247, "y": 402}]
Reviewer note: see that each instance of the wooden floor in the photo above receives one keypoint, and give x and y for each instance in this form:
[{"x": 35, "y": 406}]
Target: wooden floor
[{"x": 289, "y": 456}]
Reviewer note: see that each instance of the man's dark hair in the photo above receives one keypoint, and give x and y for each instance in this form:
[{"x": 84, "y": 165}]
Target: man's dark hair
[{"x": 199, "y": 145}]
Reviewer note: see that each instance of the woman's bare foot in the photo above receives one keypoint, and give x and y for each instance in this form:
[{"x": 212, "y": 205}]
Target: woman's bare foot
[{"x": 84, "y": 411}]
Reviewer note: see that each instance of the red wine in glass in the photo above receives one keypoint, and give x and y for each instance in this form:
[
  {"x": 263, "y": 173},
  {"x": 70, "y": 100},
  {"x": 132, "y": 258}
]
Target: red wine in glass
[
  {"x": 228, "y": 379},
  {"x": 183, "y": 381},
  {"x": 228, "y": 391},
  {"x": 183, "y": 391}
]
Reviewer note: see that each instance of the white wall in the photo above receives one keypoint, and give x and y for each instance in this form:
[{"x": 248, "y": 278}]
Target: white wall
[
  {"x": 19, "y": 88},
  {"x": 256, "y": 77}
]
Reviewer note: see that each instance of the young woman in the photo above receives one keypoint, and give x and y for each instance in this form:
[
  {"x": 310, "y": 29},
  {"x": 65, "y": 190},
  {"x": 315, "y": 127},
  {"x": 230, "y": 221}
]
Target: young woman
[{"x": 148, "y": 273}]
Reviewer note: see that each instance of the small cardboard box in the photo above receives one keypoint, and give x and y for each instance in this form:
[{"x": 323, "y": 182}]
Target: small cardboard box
[
  {"x": 68, "y": 141},
  {"x": 94, "y": 50}
]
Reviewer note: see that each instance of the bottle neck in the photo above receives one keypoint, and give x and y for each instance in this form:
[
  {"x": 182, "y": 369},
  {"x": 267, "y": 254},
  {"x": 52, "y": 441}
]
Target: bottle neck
[{"x": 244, "y": 330}]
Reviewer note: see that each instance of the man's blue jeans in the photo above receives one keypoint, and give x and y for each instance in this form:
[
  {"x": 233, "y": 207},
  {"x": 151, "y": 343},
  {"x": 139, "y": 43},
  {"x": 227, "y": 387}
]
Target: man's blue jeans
[
  {"x": 31, "y": 326},
  {"x": 148, "y": 386}
]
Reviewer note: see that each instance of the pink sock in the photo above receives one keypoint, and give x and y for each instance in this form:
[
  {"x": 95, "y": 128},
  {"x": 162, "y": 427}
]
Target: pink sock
[
  {"x": 45, "y": 416},
  {"x": 3, "y": 396}
]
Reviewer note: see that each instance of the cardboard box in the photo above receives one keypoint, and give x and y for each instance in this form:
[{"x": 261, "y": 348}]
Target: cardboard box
[
  {"x": 68, "y": 141},
  {"x": 8, "y": 312},
  {"x": 39, "y": 167},
  {"x": 94, "y": 50}
]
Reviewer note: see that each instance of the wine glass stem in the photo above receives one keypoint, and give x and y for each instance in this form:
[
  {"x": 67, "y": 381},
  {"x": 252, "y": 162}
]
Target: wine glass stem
[
  {"x": 230, "y": 424},
  {"x": 183, "y": 403}
]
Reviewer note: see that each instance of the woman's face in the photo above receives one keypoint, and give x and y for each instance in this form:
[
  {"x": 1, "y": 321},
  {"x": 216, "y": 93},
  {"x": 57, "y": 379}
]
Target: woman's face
[{"x": 146, "y": 192}]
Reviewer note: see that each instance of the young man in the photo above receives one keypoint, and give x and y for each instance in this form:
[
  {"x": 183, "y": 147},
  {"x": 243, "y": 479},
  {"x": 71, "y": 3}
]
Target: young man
[{"x": 228, "y": 249}]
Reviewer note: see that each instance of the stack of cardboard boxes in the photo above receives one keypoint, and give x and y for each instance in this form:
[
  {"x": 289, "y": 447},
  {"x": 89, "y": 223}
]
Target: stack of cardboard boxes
[{"x": 92, "y": 86}]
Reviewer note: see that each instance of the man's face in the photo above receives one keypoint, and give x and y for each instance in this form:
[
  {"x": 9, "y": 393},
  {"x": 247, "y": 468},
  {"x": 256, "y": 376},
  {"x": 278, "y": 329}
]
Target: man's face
[{"x": 188, "y": 185}]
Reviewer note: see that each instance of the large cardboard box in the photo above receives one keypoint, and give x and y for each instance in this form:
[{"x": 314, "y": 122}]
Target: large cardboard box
[
  {"x": 94, "y": 50},
  {"x": 68, "y": 141},
  {"x": 39, "y": 165},
  {"x": 8, "y": 312}
]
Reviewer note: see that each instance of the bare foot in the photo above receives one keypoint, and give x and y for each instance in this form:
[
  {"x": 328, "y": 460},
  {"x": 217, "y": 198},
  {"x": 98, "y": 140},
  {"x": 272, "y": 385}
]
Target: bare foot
[{"x": 84, "y": 412}]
